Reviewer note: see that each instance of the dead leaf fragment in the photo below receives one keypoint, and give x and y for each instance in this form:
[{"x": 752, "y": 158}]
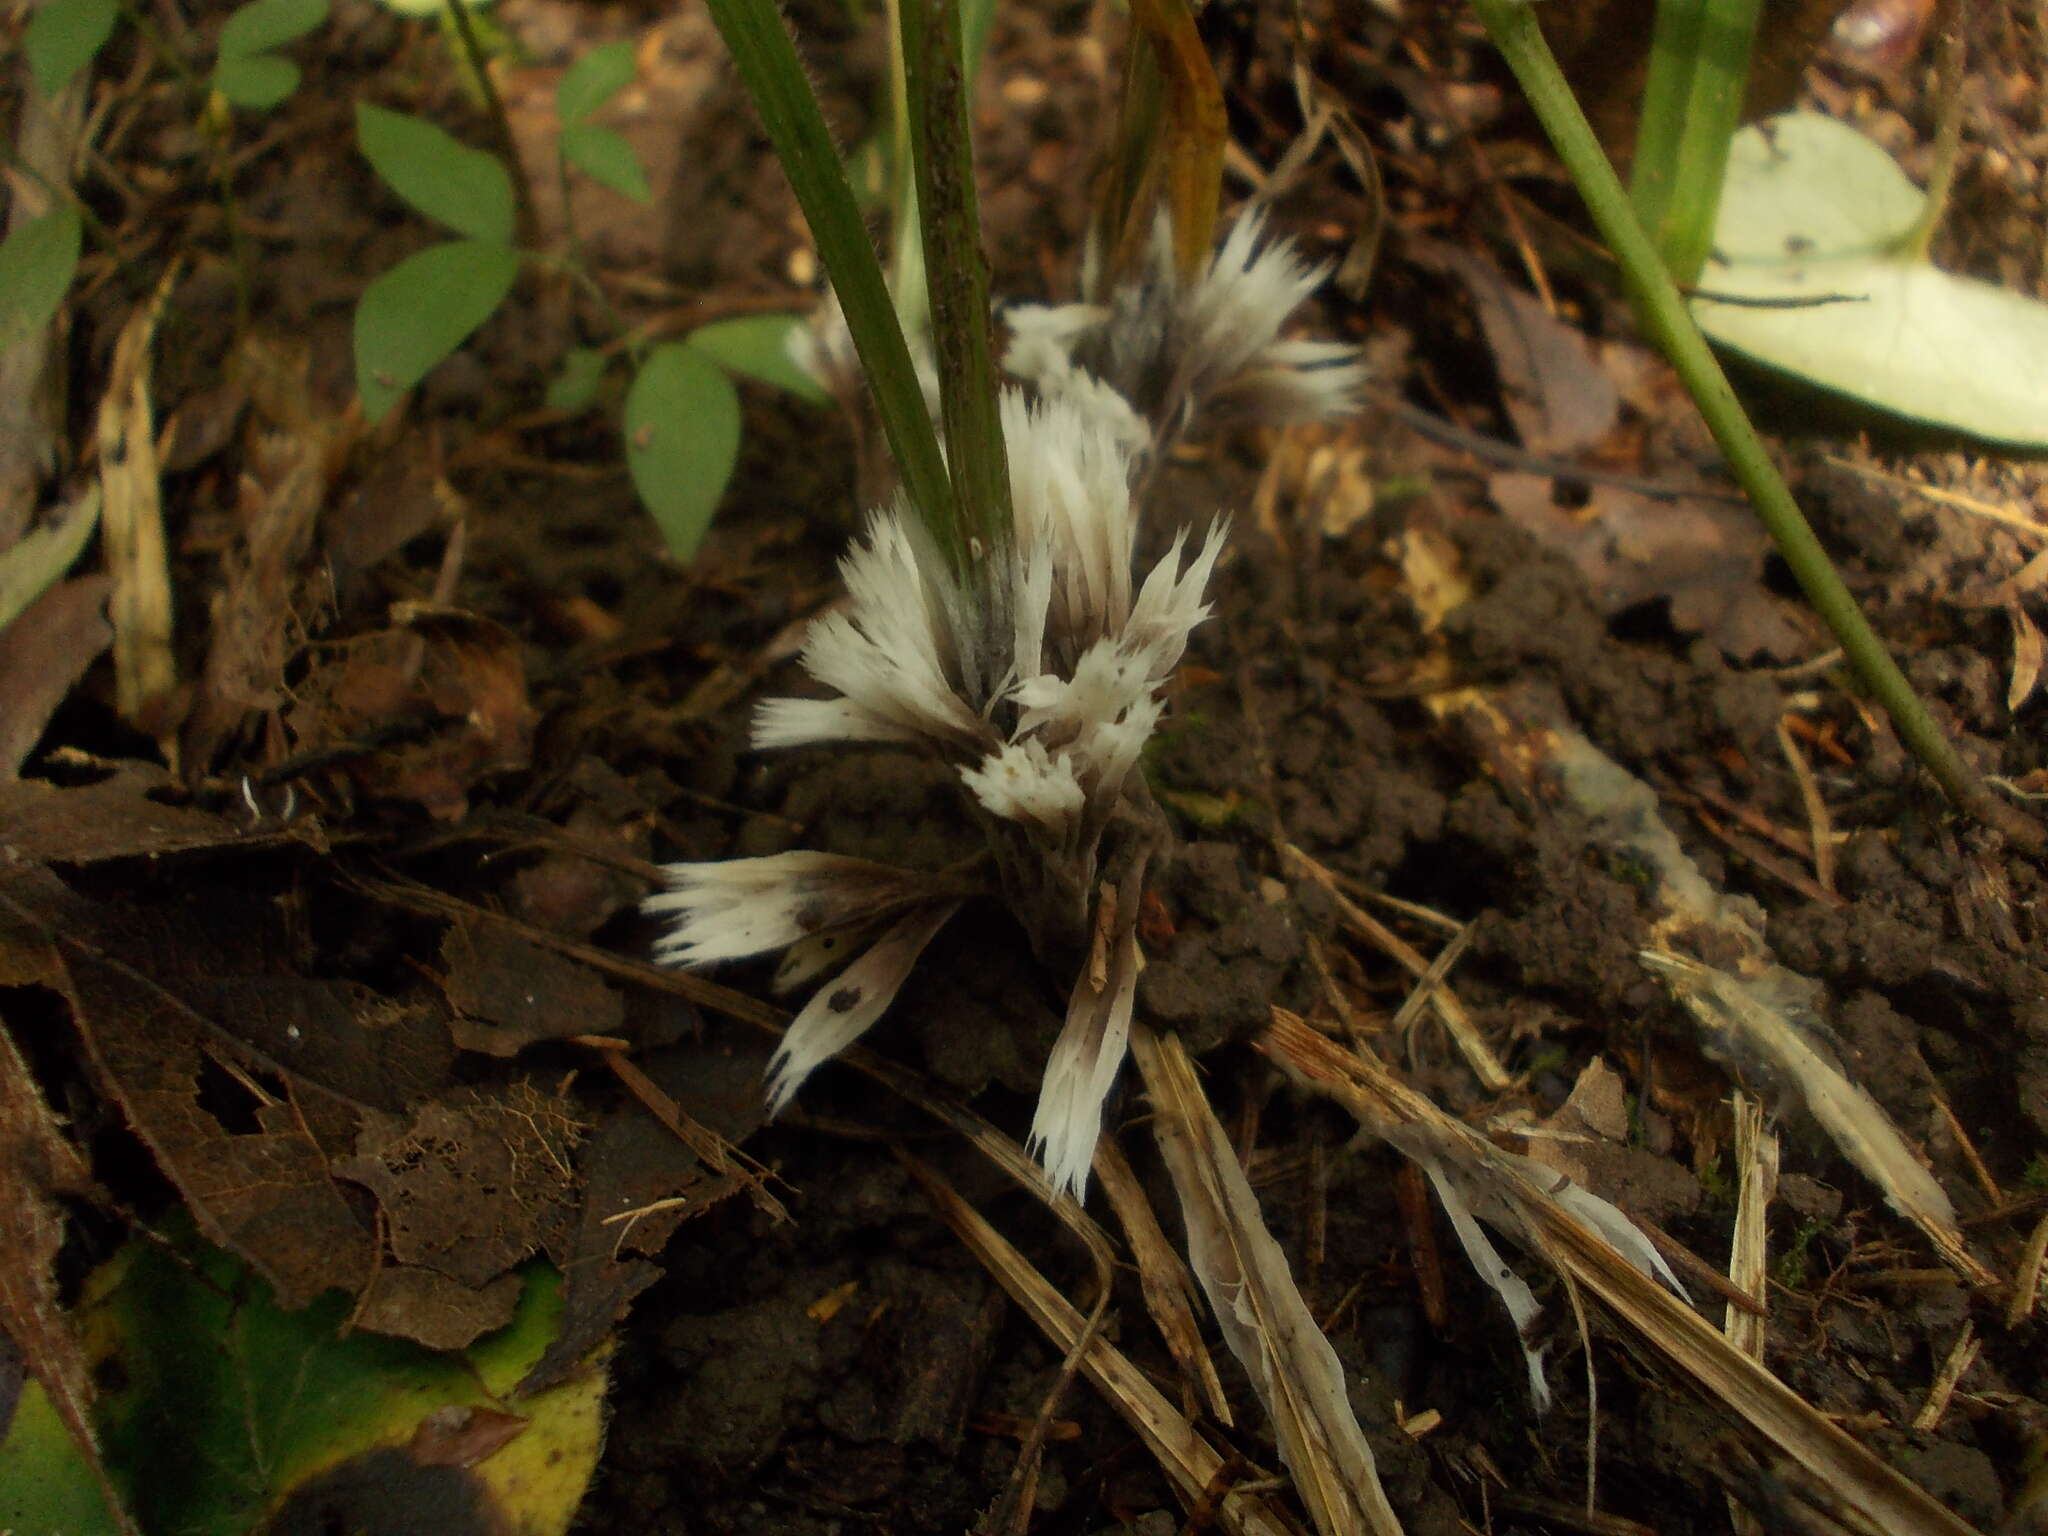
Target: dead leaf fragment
[
  {"x": 420, "y": 712},
  {"x": 132, "y": 492},
  {"x": 433, "y": 1310},
  {"x": 258, "y": 1187},
  {"x": 508, "y": 994},
  {"x": 116, "y": 818},
  {"x": 2026, "y": 656},
  {"x": 37, "y": 1164},
  {"x": 1706, "y": 556},
  {"x": 43, "y": 654},
  {"x": 471, "y": 1185},
  {"x": 1559, "y": 398}
]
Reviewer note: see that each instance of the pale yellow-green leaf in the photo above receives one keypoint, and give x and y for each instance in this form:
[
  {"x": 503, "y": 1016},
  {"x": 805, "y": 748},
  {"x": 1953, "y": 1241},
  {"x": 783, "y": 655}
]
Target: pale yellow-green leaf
[
  {"x": 1809, "y": 235},
  {"x": 1804, "y": 185},
  {"x": 32, "y": 567}
]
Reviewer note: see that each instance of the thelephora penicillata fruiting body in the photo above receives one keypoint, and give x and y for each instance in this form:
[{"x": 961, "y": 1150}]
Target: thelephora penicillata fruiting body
[{"x": 1037, "y": 674}]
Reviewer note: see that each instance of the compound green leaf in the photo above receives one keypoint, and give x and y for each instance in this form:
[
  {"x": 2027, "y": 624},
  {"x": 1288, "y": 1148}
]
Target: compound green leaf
[
  {"x": 420, "y": 311},
  {"x": 758, "y": 346},
  {"x": 258, "y": 82},
  {"x": 606, "y": 158},
  {"x": 61, "y": 38},
  {"x": 262, "y": 25},
  {"x": 437, "y": 173},
  {"x": 594, "y": 80},
  {"x": 682, "y": 438},
  {"x": 36, "y": 264}
]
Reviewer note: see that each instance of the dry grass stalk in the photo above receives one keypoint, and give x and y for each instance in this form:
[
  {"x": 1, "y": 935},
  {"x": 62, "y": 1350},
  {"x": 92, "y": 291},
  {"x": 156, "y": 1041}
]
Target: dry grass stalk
[
  {"x": 2026, "y": 1284},
  {"x": 1752, "y": 1013},
  {"x": 1961, "y": 1356},
  {"x": 1756, "y": 1185},
  {"x": 1754, "y": 1020},
  {"x": 1471, "y": 1043},
  {"x": 1756, "y": 1182},
  {"x": 1168, "y": 1287},
  {"x": 1264, "y": 1320},
  {"x": 1743, "y": 1012},
  {"x": 1880, "y": 1497},
  {"x": 1189, "y": 1461}
]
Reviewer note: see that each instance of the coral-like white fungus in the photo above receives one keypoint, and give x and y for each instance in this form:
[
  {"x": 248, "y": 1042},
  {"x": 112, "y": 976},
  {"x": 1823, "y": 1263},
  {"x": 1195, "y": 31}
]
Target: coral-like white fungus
[
  {"x": 1037, "y": 674},
  {"x": 1185, "y": 353}
]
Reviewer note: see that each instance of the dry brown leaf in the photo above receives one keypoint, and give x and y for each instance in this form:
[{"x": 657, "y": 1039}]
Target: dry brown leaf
[
  {"x": 43, "y": 654},
  {"x": 38, "y": 1164},
  {"x": 1559, "y": 398},
  {"x": 420, "y": 712},
  {"x": 116, "y": 817},
  {"x": 242, "y": 1155},
  {"x": 1253, "y": 1295},
  {"x": 1703, "y": 554},
  {"x": 427, "y": 1307},
  {"x": 473, "y": 1184},
  {"x": 508, "y": 994}
]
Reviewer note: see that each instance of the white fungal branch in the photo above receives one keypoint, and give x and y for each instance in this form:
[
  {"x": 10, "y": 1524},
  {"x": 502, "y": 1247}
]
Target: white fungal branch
[
  {"x": 1037, "y": 674},
  {"x": 1181, "y": 354}
]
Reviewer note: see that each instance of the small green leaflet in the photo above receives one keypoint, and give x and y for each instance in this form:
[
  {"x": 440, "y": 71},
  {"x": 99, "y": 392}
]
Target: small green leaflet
[
  {"x": 442, "y": 177},
  {"x": 607, "y": 159},
  {"x": 413, "y": 316},
  {"x": 682, "y": 438},
  {"x": 246, "y": 72},
  {"x": 758, "y": 346},
  {"x": 61, "y": 38},
  {"x": 34, "y": 565},
  {"x": 594, "y": 80},
  {"x": 600, "y": 153},
  {"x": 262, "y": 25},
  {"x": 36, "y": 264},
  {"x": 575, "y": 387},
  {"x": 259, "y": 83}
]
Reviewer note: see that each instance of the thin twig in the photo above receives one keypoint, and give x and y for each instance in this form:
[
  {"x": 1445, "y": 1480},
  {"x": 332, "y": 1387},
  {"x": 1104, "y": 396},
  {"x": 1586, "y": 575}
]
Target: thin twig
[{"x": 525, "y": 218}]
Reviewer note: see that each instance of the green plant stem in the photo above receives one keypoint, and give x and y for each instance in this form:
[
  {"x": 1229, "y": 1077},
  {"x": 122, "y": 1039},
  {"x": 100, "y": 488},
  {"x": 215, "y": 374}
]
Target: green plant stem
[
  {"x": 147, "y": 29},
  {"x": 956, "y": 275},
  {"x": 58, "y": 191},
  {"x": 766, "y": 58},
  {"x": 577, "y": 267},
  {"x": 1948, "y": 141},
  {"x": 1515, "y": 31},
  {"x": 526, "y": 219},
  {"x": 238, "y": 238}
]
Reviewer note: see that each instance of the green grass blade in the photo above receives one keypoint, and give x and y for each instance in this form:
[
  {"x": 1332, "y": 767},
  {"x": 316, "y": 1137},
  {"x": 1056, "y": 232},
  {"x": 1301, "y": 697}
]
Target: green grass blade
[
  {"x": 767, "y": 62},
  {"x": 1692, "y": 105},
  {"x": 1513, "y": 26}
]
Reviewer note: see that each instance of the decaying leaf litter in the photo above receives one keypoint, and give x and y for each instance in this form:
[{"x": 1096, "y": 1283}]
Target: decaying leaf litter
[{"x": 331, "y": 925}]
